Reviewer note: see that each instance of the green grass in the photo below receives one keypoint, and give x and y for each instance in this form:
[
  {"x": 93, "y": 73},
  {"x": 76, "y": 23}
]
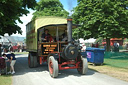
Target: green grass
[
  {"x": 116, "y": 63},
  {"x": 5, "y": 80},
  {"x": 119, "y": 59}
]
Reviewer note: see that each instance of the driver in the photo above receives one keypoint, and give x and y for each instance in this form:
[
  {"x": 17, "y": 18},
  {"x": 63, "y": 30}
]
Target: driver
[{"x": 46, "y": 37}]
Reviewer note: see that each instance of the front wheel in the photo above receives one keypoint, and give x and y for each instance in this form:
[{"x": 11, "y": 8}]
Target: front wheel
[
  {"x": 53, "y": 67},
  {"x": 83, "y": 66}
]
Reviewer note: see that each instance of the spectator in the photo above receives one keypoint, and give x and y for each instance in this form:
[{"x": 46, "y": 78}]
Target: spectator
[
  {"x": 116, "y": 46},
  {"x": 126, "y": 46},
  {"x": 105, "y": 46},
  {"x": 93, "y": 45},
  {"x": 12, "y": 60},
  {"x": 97, "y": 45},
  {"x": 83, "y": 49}
]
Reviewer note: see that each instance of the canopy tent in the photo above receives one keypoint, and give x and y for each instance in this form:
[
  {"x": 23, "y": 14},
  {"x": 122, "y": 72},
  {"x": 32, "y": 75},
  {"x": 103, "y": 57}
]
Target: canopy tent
[{"x": 91, "y": 40}]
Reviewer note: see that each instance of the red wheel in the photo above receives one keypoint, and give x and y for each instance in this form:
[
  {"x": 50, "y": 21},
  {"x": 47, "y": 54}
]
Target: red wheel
[
  {"x": 53, "y": 67},
  {"x": 83, "y": 66},
  {"x": 50, "y": 67}
]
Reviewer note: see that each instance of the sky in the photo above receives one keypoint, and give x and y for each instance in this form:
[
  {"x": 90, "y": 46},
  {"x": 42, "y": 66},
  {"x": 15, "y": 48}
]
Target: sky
[{"x": 68, "y": 5}]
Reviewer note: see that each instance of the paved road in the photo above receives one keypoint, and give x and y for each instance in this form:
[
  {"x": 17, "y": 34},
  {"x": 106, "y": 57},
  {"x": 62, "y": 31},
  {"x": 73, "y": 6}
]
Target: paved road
[{"x": 40, "y": 76}]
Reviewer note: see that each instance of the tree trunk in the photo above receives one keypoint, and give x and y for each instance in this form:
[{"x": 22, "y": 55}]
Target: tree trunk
[{"x": 107, "y": 44}]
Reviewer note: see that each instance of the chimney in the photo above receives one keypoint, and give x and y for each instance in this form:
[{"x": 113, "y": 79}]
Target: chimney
[{"x": 69, "y": 31}]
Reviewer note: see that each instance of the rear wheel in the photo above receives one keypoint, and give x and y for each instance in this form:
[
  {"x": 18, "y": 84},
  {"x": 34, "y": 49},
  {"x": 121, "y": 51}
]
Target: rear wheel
[
  {"x": 83, "y": 66},
  {"x": 32, "y": 60},
  {"x": 53, "y": 67}
]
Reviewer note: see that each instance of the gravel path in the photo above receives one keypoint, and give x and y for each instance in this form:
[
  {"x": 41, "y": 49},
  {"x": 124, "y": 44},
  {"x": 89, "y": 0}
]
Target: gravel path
[{"x": 40, "y": 76}]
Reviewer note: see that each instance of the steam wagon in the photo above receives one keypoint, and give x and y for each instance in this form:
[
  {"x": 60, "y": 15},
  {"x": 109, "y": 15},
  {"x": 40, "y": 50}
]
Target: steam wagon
[{"x": 58, "y": 53}]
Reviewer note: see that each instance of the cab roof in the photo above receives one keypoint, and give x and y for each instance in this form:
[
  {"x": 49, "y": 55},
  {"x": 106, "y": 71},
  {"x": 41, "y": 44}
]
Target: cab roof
[{"x": 59, "y": 26}]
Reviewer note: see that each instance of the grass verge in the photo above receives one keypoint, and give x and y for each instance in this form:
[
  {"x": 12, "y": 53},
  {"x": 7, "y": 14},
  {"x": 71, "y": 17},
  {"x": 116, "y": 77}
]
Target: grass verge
[
  {"x": 115, "y": 65},
  {"x": 114, "y": 70},
  {"x": 5, "y": 80}
]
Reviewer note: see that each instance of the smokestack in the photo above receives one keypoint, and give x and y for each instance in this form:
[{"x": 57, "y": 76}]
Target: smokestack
[{"x": 69, "y": 27}]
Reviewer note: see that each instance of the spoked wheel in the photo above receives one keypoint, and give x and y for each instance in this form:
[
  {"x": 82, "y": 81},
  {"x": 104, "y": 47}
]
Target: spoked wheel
[
  {"x": 53, "y": 67},
  {"x": 83, "y": 66}
]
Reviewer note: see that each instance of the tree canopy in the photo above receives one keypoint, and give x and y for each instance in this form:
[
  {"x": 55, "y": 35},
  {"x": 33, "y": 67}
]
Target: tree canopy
[
  {"x": 12, "y": 10},
  {"x": 50, "y": 8},
  {"x": 101, "y": 18}
]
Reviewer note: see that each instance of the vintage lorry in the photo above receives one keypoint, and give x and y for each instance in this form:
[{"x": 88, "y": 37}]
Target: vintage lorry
[{"x": 58, "y": 54}]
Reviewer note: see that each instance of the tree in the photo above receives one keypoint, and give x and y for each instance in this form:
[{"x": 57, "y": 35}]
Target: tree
[
  {"x": 50, "y": 8},
  {"x": 12, "y": 10},
  {"x": 102, "y": 18},
  {"x": 100, "y": 40}
]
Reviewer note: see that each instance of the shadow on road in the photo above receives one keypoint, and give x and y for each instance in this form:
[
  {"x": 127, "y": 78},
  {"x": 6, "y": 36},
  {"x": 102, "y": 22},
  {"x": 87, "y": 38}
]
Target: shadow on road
[
  {"x": 73, "y": 72},
  {"x": 21, "y": 68}
]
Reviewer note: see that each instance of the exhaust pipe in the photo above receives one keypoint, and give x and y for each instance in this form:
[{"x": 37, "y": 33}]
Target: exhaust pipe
[{"x": 69, "y": 31}]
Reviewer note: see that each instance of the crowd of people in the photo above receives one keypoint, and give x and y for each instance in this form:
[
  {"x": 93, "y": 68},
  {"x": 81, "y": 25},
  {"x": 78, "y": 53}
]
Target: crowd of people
[
  {"x": 11, "y": 48},
  {"x": 95, "y": 45},
  {"x": 114, "y": 48}
]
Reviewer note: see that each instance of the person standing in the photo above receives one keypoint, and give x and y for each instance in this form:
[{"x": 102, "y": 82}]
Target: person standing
[
  {"x": 116, "y": 46},
  {"x": 12, "y": 60},
  {"x": 93, "y": 45},
  {"x": 97, "y": 45}
]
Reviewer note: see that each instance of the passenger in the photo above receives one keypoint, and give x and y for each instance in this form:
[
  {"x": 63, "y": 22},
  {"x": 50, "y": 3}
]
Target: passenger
[
  {"x": 64, "y": 36},
  {"x": 65, "y": 39},
  {"x": 46, "y": 37}
]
